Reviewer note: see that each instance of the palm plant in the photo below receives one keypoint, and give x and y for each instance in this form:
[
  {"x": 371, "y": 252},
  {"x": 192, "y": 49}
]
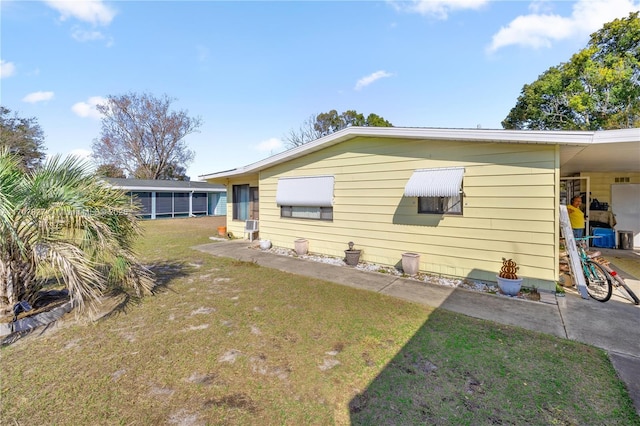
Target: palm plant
[{"x": 61, "y": 221}]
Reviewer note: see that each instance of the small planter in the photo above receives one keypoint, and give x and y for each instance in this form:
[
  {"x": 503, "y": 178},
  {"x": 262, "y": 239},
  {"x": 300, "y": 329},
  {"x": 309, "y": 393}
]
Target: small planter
[
  {"x": 410, "y": 263},
  {"x": 508, "y": 286},
  {"x": 352, "y": 256},
  {"x": 265, "y": 244},
  {"x": 301, "y": 246},
  {"x": 222, "y": 231}
]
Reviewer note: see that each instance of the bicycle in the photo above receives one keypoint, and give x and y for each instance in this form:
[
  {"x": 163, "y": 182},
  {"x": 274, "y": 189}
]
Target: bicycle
[
  {"x": 599, "y": 285},
  {"x": 618, "y": 282},
  {"x": 601, "y": 279}
]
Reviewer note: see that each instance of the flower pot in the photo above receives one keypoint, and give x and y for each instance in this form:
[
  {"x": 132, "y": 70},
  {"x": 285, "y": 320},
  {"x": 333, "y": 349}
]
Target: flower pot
[
  {"x": 410, "y": 263},
  {"x": 508, "y": 286},
  {"x": 352, "y": 257},
  {"x": 222, "y": 231},
  {"x": 265, "y": 244},
  {"x": 301, "y": 245}
]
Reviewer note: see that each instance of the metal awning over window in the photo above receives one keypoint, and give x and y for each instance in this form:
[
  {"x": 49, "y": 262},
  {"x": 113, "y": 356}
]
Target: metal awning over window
[
  {"x": 315, "y": 191},
  {"x": 439, "y": 182}
]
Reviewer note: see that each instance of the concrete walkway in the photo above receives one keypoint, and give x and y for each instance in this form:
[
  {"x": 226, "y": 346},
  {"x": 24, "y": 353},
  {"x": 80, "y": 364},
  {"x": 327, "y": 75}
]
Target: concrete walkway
[{"x": 613, "y": 326}]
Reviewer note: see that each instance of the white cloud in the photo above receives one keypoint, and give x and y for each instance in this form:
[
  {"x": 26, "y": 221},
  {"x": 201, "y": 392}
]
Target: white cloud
[
  {"x": 93, "y": 12},
  {"x": 541, "y": 30},
  {"x": 270, "y": 145},
  {"x": 7, "y": 69},
  {"x": 35, "y": 97},
  {"x": 367, "y": 80},
  {"x": 88, "y": 108},
  {"x": 540, "y": 6},
  {"x": 439, "y": 9},
  {"x": 79, "y": 34}
]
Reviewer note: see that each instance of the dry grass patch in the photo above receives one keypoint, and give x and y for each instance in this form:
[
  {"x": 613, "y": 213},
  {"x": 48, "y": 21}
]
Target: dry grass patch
[{"x": 228, "y": 342}]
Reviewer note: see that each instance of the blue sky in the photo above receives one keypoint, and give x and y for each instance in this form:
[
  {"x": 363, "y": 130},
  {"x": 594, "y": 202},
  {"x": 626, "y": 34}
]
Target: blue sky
[{"x": 253, "y": 71}]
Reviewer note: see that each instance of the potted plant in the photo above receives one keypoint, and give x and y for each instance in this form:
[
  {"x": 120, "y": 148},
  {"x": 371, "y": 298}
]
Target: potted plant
[
  {"x": 508, "y": 280},
  {"x": 352, "y": 256}
]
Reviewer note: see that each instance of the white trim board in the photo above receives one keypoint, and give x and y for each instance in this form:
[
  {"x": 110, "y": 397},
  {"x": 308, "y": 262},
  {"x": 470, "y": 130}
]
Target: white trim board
[{"x": 574, "y": 257}]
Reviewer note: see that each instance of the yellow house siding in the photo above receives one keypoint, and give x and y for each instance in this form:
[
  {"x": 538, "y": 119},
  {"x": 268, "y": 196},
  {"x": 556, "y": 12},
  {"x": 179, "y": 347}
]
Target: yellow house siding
[
  {"x": 601, "y": 183},
  {"x": 509, "y": 206}
]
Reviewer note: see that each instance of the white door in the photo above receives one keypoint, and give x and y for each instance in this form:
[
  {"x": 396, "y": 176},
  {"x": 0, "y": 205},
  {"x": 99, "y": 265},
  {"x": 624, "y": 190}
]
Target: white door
[{"x": 625, "y": 204}]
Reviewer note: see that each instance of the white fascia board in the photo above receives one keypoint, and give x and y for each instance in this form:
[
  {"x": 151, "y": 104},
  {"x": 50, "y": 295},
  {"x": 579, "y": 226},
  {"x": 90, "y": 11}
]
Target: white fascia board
[
  {"x": 617, "y": 136},
  {"x": 166, "y": 189},
  {"x": 547, "y": 137}
]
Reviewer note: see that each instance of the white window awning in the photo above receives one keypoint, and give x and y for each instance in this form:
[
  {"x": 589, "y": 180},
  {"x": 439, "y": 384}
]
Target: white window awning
[
  {"x": 438, "y": 182},
  {"x": 313, "y": 191}
]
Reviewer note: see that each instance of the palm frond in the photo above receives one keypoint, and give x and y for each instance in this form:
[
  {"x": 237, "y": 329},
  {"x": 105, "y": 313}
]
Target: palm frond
[
  {"x": 79, "y": 275},
  {"x": 85, "y": 228}
]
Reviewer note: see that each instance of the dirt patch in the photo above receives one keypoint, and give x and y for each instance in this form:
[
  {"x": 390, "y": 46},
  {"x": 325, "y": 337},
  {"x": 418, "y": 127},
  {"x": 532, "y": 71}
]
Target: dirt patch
[
  {"x": 184, "y": 418},
  {"x": 230, "y": 356},
  {"x": 203, "y": 379},
  {"x": 239, "y": 401}
]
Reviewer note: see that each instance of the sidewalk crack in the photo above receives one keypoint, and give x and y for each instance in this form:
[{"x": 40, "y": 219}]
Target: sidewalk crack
[
  {"x": 564, "y": 325},
  {"x": 388, "y": 285}
]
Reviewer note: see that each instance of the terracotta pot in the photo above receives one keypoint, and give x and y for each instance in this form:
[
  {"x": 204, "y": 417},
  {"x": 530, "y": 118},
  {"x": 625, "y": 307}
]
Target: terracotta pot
[{"x": 222, "y": 231}]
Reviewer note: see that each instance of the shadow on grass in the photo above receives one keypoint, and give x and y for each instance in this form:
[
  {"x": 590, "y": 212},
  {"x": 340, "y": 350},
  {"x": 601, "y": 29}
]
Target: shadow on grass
[
  {"x": 460, "y": 370},
  {"x": 165, "y": 273},
  {"x": 118, "y": 300},
  {"x": 115, "y": 301}
]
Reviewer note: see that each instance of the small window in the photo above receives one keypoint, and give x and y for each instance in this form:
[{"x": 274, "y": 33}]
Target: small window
[
  {"x": 439, "y": 190},
  {"x": 440, "y": 205},
  {"x": 301, "y": 212}
]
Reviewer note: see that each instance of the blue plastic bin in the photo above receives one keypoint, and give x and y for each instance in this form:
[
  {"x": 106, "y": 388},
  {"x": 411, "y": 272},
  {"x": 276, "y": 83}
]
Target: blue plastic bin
[{"x": 607, "y": 238}]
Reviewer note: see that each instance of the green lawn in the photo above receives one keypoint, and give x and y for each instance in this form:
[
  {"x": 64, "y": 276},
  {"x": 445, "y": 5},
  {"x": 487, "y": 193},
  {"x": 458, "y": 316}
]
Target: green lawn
[{"x": 229, "y": 342}]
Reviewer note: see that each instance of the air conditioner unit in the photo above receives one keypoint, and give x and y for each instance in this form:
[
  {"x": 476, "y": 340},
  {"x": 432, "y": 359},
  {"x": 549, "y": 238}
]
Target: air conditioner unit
[{"x": 251, "y": 227}]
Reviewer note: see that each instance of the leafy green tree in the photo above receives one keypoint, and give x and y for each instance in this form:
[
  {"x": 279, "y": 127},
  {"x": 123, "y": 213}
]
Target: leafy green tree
[
  {"x": 142, "y": 136},
  {"x": 599, "y": 88},
  {"x": 374, "y": 120},
  {"x": 23, "y": 137},
  {"x": 323, "y": 124},
  {"x": 59, "y": 221}
]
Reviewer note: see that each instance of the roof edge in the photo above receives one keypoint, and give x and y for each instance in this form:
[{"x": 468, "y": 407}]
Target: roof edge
[{"x": 562, "y": 137}]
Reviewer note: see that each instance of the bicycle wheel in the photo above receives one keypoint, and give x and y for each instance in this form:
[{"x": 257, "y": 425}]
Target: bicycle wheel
[
  {"x": 630, "y": 293},
  {"x": 598, "y": 281}
]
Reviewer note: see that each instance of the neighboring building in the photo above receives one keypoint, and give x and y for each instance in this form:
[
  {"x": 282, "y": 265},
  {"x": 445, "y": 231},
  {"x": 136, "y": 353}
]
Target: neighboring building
[
  {"x": 461, "y": 198},
  {"x": 174, "y": 198}
]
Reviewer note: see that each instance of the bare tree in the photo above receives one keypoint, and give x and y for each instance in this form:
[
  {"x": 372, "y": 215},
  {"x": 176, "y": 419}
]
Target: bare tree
[
  {"x": 143, "y": 137},
  {"x": 306, "y": 133},
  {"x": 323, "y": 124}
]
